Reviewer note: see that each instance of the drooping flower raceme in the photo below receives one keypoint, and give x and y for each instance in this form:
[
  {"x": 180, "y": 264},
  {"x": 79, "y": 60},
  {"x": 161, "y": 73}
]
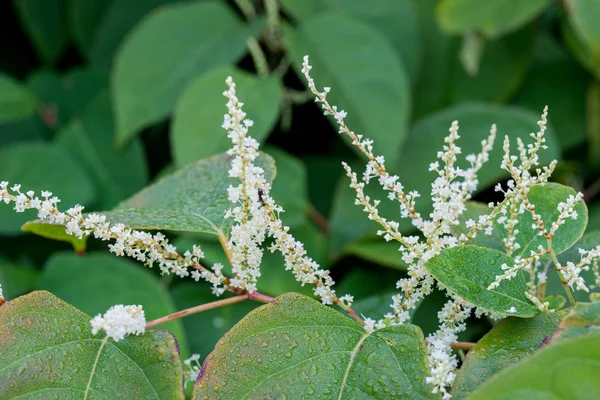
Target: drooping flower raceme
[{"x": 120, "y": 321}]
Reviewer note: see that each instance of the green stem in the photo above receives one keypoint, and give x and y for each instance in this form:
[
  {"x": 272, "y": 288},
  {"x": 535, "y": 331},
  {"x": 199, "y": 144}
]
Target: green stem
[
  {"x": 258, "y": 56},
  {"x": 247, "y": 9},
  {"x": 272, "y": 7}
]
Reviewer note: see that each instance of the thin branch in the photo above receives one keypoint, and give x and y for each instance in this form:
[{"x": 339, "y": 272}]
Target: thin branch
[
  {"x": 319, "y": 220},
  {"x": 466, "y": 346},
  {"x": 197, "y": 309}
]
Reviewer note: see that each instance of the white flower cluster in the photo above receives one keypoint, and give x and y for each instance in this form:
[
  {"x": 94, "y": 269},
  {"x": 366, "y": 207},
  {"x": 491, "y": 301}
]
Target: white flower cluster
[
  {"x": 120, "y": 321},
  {"x": 451, "y": 189},
  {"x": 193, "y": 363},
  {"x": 142, "y": 246},
  {"x": 442, "y": 361},
  {"x": 256, "y": 216}
]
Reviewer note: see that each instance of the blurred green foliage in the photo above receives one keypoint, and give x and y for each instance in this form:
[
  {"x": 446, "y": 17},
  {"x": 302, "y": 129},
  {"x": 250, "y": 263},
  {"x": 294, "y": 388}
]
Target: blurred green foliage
[{"x": 100, "y": 98}]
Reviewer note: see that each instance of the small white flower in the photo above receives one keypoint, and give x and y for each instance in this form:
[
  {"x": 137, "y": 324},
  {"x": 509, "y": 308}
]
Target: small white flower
[
  {"x": 511, "y": 310},
  {"x": 120, "y": 321}
]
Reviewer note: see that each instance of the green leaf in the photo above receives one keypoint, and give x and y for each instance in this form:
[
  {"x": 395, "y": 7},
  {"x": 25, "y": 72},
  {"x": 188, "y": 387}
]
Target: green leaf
[
  {"x": 492, "y": 18},
  {"x": 45, "y": 21},
  {"x": 468, "y": 271},
  {"x": 116, "y": 22},
  {"x": 566, "y": 97},
  {"x": 196, "y": 128},
  {"x": 84, "y": 18},
  {"x": 16, "y": 102},
  {"x": 426, "y": 138},
  {"x": 16, "y": 279},
  {"x": 47, "y": 350},
  {"x": 546, "y": 199},
  {"x": 117, "y": 174},
  {"x": 301, "y": 10},
  {"x": 192, "y": 199},
  {"x": 213, "y": 324},
  {"x": 378, "y": 251},
  {"x": 583, "y": 15},
  {"x": 41, "y": 166},
  {"x": 566, "y": 370},
  {"x": 583, "y": 319},
  {"x": 439, "y": 59},
  {"x": 55, "y": 232},
  {"x": 502, "y": 69},
  {"x": 368, "y": 80},
  {"x": 509, "y": 342},
  {"x": 174, "y": 32},
  {"x": 296, "y": 347},
  {"x": 95, "y": 282}
]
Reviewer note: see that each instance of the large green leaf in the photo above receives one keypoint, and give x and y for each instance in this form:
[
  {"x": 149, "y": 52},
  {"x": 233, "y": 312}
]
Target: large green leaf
[
  {"x": 84, "y": 17},
  {"x": 567, "y": 370},
  {"x": 296, "y": 347},
  {"x": 509, "y": 342},
  {"x": 367, "y": 78},
  {"x": 95, "y": 282},
  {"x": 439, "y": 59},
  {"x": 196, "y": 131},
  {"x": 192, "y": 199},
  {"x": 115, "y": 22},
  {"x": 565, "y": 97},
  {"x": 16, "y": 102},
  {"x": 395, "y": 19},
  {"x": 545, "y": 199},
  {"x": 190, "y": 39},
  {"x": 41, "y": 166},
  {"x": 47, "y": 350},
  {"x": 584, "y": 15},
  {"x": 492, "y": 17},
  {"x": 426, "y": 138},
  {"x": 45, "y": 21},
  {"x": 501, "y": 71},
  {"x": 117, "y": 174},
  {"x": 468, "y": 271}
]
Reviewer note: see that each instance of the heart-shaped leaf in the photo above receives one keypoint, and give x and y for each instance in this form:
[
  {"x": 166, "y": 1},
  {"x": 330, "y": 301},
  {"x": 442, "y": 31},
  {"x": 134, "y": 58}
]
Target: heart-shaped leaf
[
  {"x": 493, "y": 17},
  {"x": 296, "y": 347},
  {"x": 567, "y": 370},
  {"x": 46, "y": 348},
  {"x": 512, "y": 340},
  {"x": 368, "y": 79},
  {"x": 192, "y": 199},
  {"x": 96, "y": 281},
  {"x": 174, "y": 33},
  {"x": 196, "y": 131},
  {"x": 468, "y": 271}
]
